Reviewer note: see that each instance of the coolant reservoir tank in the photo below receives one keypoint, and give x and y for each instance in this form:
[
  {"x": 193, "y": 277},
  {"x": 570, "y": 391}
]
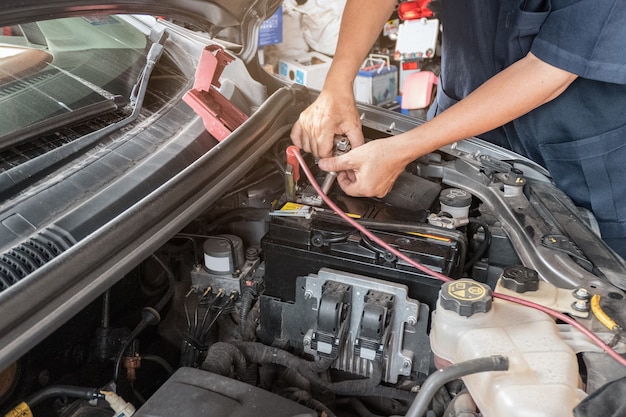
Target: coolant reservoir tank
[{"x": 542, "y": 379}]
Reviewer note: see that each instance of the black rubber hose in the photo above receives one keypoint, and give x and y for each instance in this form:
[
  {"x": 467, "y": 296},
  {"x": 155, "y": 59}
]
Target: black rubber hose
[
  {"x": 260, "y": 353},
  {"x": 292, "y": 378},
  {"x": 171, "y": 284},
  {"x": 358, "y": 407},
  {"x": 482, "y": 248},
  {"x": 304, "y": 397},
  {"x": 388, "y": 392},
  {"x": 160, "y": 361},
  {"x": 149, "y": 316},
  {"x": 450, "y": 373},
  {"x": 249, "y": 330},
  {"x": 222, "y": 358},
  {"x": 56, "y": 391},
  {"x": 247, "y": 299}
]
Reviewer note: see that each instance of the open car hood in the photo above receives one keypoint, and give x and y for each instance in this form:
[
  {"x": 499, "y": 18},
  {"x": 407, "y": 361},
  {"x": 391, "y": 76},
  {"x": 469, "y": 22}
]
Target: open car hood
[
  {"x": 240, "y": 18},
  {"x": 130, "y": 231}
]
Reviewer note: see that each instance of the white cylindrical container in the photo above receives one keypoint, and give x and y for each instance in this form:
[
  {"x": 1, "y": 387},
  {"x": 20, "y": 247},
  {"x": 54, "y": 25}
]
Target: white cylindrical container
[
  {"x": 223, "y": 254},
  {"x": 455, "y": 202},
  {"x": 543, "y": 378}
]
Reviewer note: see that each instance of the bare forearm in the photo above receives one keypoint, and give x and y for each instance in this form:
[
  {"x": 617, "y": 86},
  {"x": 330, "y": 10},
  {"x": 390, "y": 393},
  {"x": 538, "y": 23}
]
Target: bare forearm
[
  {"x": 519, "y": 89},
  {"x": 361, "y": 23}
]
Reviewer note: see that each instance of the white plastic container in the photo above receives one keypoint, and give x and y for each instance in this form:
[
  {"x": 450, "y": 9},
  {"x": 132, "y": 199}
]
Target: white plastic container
[{"x": 542, "y": 379}]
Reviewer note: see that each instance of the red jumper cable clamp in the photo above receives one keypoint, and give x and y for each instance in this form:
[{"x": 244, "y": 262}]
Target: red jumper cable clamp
[{"x": 220, "y": 116}]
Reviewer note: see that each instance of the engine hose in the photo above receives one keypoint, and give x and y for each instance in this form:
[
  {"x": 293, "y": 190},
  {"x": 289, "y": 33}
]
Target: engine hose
[
  {"x": 482, "y": 248},
  {"x": 149, "y": 316},
  {"x": 452, "y": 372},
  {"x": 249, "y": 330},
  {"x": 304, "y": 397},
  {"x": 388, "y": 392},
  {"x": 358, "y": 407},
  {"x": 247, "y": 299},
  {"x": 170, "y": 287},
  {"x": 159, "y": 361},
  {"x": 293, "y": 379},
  {"x": 602, "y": 317},
  {"x": 260, "y": 353},
  {"x": 222, "y": 357},
  {"x": 82, "y": 393},
  {"x": 266, "y": 354}
]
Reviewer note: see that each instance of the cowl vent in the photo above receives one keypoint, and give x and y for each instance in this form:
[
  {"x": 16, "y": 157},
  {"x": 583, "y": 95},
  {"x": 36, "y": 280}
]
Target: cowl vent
[{"x": 25, "y": 258}]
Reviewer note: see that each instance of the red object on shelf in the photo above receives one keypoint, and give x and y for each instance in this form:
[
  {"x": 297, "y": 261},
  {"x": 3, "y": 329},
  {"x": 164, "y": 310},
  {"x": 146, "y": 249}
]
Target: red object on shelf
[
  {"x": 414, "y": 9},
  {"x": 417, "y": 90},
  {"x": 219, "y": 115}
]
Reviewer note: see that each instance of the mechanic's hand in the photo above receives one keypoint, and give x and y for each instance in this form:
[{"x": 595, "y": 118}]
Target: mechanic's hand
[
  {"x": 331, "y": 114},
  {"x": 369, "y": 170}
]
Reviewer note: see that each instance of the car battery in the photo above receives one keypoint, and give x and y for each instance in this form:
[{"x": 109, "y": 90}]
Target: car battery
[
  {"x": 297, "y": 246},
  {"x": 377, "y": 81}
]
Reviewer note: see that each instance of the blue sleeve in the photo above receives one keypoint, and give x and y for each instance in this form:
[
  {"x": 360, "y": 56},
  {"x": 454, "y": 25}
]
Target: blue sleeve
[{"x": 585, "y": 37}]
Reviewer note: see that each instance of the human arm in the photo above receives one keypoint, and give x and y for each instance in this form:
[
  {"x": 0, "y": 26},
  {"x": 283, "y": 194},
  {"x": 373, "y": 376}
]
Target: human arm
[
  {"x": 334, "y": 111},
  {"x": 371, "y": 170}
]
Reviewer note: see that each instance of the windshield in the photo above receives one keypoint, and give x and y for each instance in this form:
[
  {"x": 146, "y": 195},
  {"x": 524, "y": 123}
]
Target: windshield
[{"x": 61, "y": 68}]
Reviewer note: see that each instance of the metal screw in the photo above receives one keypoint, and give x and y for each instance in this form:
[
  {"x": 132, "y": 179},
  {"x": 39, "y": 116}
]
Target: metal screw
[
  {"x": 412, "y": 321},
  {"x": 407, "y": 363},
  {"x": 582, "y": 294},
  {"x": 308, "y": 294},
  {"x": 581, "y": 305}
]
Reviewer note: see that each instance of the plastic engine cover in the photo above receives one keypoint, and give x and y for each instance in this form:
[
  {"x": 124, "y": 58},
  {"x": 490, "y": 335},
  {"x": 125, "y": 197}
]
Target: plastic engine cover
[{"x": 194, "y": 392}]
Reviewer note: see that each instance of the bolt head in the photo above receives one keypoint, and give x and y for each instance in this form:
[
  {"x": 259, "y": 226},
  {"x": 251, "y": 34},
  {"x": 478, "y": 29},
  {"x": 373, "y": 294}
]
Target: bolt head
[
  {"x": 582, "y": 294},
  {"x": 581, "y": 305}
]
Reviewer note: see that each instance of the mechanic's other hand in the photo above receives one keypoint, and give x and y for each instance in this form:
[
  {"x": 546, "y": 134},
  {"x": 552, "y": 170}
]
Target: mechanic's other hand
[
  {"x": 367, "y": 171},
  {"x": 331, "y": 114}
]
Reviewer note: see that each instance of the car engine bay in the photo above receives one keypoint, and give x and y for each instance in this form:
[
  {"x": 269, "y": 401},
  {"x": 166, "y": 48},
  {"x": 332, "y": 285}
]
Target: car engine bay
[
  {"x": 474, "y": 288},
  {"x": 271, "y": 300}
]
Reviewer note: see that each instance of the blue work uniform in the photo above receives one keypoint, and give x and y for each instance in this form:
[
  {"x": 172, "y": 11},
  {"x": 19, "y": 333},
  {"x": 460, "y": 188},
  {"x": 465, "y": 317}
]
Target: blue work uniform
[{"x": 580, "y": 136}]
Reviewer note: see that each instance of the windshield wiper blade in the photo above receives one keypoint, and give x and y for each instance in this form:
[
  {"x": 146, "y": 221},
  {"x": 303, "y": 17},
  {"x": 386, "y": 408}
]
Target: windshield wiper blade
[{"x": 61, "y": 120}]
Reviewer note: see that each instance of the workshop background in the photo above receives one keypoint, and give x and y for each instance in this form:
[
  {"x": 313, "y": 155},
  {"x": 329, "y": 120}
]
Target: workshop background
[{"x": 298, "y": 42}]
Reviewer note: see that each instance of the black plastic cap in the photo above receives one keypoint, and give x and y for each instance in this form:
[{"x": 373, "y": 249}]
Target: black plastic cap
[
  {"x": 520, "y": 279},
  {"x": 465, "y": 297}
]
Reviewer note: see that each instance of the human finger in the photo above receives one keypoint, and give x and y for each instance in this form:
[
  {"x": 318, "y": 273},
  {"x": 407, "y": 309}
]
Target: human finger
[{"x": 296, "y": 134}]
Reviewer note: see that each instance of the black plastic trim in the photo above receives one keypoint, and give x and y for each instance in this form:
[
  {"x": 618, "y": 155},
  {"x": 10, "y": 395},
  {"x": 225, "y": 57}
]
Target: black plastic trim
[{"x": 54, "y": 293}]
